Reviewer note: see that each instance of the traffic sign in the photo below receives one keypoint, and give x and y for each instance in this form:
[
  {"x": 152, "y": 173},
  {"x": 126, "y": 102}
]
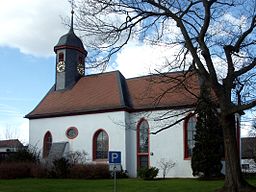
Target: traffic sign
[
  {"x": 114, "y": 157},
  {"x": 115, "y": 167}
]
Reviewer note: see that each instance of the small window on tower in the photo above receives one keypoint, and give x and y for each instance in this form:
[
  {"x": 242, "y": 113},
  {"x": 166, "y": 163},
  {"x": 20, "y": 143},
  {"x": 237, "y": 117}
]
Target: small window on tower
[
  {"x": 80, "y": 60},
  {"x": 61, "y": 56}
]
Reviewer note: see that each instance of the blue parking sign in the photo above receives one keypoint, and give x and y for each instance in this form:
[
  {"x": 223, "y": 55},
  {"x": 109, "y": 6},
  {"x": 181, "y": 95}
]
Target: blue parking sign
[{"x": 114, "y": 157}]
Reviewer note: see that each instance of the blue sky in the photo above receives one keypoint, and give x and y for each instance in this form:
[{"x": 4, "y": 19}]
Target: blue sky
[{"x": 24, "y": 79}]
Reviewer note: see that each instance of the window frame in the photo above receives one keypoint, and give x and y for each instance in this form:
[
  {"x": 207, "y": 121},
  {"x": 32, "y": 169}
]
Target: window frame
[
  {"x": 47, "y": 144},
  {"x": 142, "y": 154},
  {"x": 95, "y": 137},
  {"x": 75, "y": 132},
  {"x": 61, "y": 56},
  {"x": 185, "y": 131}
]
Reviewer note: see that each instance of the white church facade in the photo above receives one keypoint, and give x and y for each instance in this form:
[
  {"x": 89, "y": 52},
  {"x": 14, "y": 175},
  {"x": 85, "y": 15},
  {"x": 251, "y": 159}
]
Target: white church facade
[{"x": 106, "y": 112}]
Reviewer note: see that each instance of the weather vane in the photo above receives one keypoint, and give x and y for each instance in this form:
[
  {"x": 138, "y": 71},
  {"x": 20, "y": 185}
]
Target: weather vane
[
  {"x": 72, "y": 13},
  {"x": 72, "y": 2}
]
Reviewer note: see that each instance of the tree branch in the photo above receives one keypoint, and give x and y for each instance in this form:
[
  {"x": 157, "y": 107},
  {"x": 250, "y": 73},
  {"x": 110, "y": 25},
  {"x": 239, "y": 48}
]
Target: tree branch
[
  {"x": 167, "y": 127},
  {"x": 245, "y": 69},
  {"x": 244, "y": 35}
]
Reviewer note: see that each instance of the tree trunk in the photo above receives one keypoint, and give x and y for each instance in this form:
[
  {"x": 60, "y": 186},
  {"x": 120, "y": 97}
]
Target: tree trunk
[{"x": 234, "y": 181}]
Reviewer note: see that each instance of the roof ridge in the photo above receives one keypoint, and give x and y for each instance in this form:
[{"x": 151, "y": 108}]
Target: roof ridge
[
  {"x": 157, "y": 74},
  {"x": 101, "y": 73}
]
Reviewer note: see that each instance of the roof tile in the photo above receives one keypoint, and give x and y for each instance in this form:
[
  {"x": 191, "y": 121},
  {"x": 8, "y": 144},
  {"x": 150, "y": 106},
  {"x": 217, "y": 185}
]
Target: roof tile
[
  {"x": 111, "y": 91},
  {"x": 10, "y": 143}
]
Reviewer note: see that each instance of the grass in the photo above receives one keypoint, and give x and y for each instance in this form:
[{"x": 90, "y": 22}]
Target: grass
[{"x": 123, "y": 185}]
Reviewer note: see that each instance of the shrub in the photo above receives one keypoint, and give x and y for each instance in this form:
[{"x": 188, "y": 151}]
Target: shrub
[
  {"x": 24, "y": 154},
  {"x": 14, "y": 170},
  {"x": 100, "y": 171},
  {"x": 122, "y": 174},
  {"x": 39, "y": 171},
  {"x": 78, "y": 172},
  {"x": 209, "y": 146},
  {"x": 148, "y": 173},
  {"x": 165, "y": 166},
  {"x": 77, "y": 157},
  {"x": 60, "y": 168},
  {"x": 89, "y": 171}
]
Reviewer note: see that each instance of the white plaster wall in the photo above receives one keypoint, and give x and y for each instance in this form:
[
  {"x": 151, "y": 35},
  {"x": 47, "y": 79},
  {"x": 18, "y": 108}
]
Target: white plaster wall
[
  {"x": 167, "y": 145},
  {"x": 121, "y": 128},
  {"x": 131, "y": 150},
  {"x": 87, "y": 125},
  {"x": 7, "y": 149}
]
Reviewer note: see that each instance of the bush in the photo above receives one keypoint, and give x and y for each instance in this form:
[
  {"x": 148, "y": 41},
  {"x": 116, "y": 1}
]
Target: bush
[
  {"x": 77, "y": 157},
  {"x": 60, "y": 168},
  {"x": 209, "y": 146},
  {"x": 122, "y": 174},
  {"x": 24, "y": 154},
  {"x": 14, "y": 170},
  {"x": 89, "y": 171},
  {"x": 39, "y": 171},
  {"x": 148, "y": 173}
]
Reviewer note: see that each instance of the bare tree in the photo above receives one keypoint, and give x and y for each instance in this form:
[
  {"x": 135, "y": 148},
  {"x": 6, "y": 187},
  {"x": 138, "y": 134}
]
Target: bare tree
[
  {"x": 165, "y": 166},
  {"x": 217, "y": 36},
  {"x": 77, "y": 157},
  {"x": 10, "y": 132}
]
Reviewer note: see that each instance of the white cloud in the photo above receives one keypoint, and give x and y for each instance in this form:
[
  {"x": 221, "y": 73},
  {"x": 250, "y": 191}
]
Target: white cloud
[
  {"x": 23, "y": 129},
  {"x": 18, "y": 129},
  {"x": 12, "y": 124},
  {"x": 138, "y": 59},
  {"x": 32, "y": 26},
  {"x": 246, "y": 127}
]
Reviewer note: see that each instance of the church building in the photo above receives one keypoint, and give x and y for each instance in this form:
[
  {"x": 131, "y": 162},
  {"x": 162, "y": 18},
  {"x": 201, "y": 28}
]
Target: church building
[{"x": 105, "y": 112}]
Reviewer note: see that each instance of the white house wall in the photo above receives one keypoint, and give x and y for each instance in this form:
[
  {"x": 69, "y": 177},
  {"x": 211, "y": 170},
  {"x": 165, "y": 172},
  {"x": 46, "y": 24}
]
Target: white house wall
[
  {"x": 121, "y": 128},
  {"x": 167, "y": 145},
  {"x": 87, "y": 125}
]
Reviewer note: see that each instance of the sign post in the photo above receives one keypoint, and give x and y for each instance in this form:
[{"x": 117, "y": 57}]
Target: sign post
[{"x": 114, "y": 158}]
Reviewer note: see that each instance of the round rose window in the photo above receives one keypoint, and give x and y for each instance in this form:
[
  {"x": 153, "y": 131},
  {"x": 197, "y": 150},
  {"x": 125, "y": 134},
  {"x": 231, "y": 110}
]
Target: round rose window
[{"x": 72, "y": 132}]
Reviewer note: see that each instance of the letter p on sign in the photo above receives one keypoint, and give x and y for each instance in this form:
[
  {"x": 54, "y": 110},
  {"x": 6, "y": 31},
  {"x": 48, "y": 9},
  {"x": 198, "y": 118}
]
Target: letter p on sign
[{"x": 114, "y": 157}]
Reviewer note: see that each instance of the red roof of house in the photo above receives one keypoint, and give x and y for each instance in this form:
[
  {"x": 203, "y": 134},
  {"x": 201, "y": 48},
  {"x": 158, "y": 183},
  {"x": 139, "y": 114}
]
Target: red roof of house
[
  {"x": 111, "y": 92},
  {"x": 14, "y": 143}
]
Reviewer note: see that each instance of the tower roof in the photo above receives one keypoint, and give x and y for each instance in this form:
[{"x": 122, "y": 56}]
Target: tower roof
[{"x": 70, "y": 40}]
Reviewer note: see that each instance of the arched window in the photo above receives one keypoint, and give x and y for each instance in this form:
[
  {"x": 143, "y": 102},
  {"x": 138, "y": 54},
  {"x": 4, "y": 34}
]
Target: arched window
[
  {"x": 189, "y": 133},
  {"x": 100, "y": 145},
  {"x": 47, "y": 144},
  {"x": 142, "y": 144}
]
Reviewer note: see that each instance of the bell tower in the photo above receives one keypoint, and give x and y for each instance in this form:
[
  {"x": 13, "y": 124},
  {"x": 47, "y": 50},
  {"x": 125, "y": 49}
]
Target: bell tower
[{"x": 70, "y": 57}]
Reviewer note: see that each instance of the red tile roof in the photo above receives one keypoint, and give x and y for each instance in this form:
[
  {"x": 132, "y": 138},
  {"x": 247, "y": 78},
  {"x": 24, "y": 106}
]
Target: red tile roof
[
  {"x": 164, "y": 90},
  {"x": 14, "y": 143},
  {"x": 111, "y": 91}
]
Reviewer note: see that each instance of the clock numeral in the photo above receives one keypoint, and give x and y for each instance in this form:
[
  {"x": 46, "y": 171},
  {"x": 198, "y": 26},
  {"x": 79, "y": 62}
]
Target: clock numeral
[
  {"x": 61, "y": 67},
  {"x": 80, "y": 69}
]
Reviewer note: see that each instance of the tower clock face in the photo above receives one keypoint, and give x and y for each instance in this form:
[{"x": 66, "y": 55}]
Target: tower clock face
[
  {"x": 80, "y": 69},
  {"x": 61, "y": 66}
]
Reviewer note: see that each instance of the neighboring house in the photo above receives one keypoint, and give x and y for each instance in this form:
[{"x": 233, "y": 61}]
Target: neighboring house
[
  {"x": 9, "y": 146},
  {"x": 248, "y": 154},
  {"x": 106, "y": 112}
]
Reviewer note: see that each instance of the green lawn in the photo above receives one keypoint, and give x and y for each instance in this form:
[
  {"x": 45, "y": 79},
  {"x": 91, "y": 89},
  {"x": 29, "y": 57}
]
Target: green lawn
[{"x": 123, "y": 185}]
